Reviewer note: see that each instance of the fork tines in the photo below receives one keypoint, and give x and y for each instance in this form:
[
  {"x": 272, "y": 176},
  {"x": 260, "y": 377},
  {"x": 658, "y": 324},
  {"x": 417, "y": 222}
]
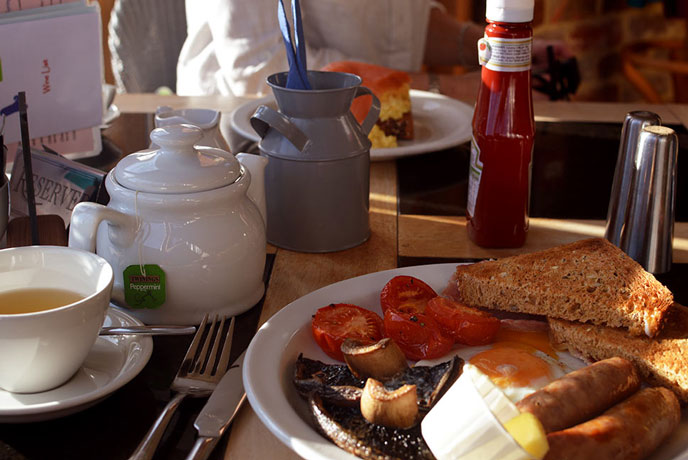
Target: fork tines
[{"x": 201, "y": 363}]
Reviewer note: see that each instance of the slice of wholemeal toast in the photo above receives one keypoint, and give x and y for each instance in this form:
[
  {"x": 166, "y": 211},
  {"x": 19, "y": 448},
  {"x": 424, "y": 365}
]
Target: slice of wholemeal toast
[
  {"x": 662, "y": 360},
  {"x": 589, "y": 280}
]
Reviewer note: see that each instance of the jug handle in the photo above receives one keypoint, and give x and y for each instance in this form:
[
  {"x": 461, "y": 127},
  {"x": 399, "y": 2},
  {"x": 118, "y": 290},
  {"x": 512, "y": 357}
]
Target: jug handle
[
  {"x": 265, "y": 118},
  {"x": 87, "y": 216},
  {"x": 374, "y": 111}
]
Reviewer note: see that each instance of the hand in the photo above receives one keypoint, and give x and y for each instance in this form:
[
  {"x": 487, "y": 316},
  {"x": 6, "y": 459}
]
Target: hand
[
  {"x": 560, "y": 65},
  {"x": 464, "y": 87},
  {"x": 561, "y": 52}
]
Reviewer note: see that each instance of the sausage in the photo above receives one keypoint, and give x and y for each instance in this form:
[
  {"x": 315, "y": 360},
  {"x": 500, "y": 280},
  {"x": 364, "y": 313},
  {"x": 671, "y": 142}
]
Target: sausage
[
  {"x": 582, "y": 394},
  {"x": 629, "y": 431}
]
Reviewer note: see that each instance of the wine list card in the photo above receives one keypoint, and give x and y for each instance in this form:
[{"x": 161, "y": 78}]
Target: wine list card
[{"x": 55, "y": 56}]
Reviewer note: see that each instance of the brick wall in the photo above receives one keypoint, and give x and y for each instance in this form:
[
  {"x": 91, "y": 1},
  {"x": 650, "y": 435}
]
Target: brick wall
[{"x": 596, "y": 31}]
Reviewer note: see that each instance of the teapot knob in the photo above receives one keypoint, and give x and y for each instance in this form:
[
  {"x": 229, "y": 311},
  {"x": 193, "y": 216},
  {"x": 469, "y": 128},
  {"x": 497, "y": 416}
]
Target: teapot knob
[{"x": 176, "y": 138}]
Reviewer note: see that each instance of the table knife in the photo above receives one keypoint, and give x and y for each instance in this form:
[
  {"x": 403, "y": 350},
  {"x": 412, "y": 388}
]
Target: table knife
[{"x": 219, "y": 411}]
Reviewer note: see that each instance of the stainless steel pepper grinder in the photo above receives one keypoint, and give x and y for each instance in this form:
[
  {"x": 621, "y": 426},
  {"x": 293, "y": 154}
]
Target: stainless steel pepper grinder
[
  {"x": 624, "y": 175},
  {"x": 641, "y": 210}
]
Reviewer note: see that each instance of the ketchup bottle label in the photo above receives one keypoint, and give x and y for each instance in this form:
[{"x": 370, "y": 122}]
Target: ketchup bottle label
[
  {"x": 475, "y": 172},
  {"x": 505, "y": 54}
]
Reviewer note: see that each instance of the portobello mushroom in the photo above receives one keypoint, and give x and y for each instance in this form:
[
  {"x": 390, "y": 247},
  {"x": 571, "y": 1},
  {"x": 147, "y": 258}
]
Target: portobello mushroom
[
  {"x": 332, "y": 382},
  {"x": 347, "y": 428},
  {"x": 334, "y": 393},
  {"x": 335, "y": 383}
]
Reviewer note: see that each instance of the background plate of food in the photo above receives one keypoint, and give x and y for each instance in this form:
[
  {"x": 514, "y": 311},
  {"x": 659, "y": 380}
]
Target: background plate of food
[{"x": 439, "y": 122}]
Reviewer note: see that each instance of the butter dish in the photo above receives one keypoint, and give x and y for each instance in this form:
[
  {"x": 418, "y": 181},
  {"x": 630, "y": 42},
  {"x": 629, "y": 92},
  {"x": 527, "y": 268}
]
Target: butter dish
[{"x": 467, "y": 422}]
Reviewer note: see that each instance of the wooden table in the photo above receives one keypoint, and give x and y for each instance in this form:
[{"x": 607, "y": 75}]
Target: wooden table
[
  {"x": 395, "y": 235},
  {"x": 397, "y": 238}
]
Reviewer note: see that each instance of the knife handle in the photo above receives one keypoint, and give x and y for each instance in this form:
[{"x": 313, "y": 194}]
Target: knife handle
[
  {"x": 150, "y": 442},
  {"x": 202, "y": 449}
]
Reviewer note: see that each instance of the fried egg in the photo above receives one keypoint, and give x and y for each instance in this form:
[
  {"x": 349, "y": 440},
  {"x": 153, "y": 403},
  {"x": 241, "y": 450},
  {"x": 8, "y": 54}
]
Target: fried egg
[{"x": 520, "y": 361}]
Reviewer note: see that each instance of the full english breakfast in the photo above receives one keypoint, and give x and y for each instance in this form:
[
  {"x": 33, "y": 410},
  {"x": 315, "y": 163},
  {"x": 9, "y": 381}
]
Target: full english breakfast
[{"x": 590, "y": 300}]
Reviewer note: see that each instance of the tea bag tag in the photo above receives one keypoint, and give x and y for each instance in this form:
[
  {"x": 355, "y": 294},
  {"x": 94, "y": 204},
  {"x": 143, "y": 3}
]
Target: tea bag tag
[{"x": 144, "y": 287}]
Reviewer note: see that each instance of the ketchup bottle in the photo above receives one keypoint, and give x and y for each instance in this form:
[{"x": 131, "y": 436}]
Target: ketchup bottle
[{"x": 503, "y": 129}]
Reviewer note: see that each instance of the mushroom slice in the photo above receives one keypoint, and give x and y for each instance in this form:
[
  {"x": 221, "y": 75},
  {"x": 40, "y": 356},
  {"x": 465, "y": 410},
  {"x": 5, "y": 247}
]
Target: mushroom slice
[
  {"x": 381, "y": 361},
  {"x": 395, "y": 409},
  {"x": 349, "y": 430}
]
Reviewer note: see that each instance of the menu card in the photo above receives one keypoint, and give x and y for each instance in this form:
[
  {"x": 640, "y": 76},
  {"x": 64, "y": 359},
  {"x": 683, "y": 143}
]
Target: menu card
[{"x": 54, "y": 54}]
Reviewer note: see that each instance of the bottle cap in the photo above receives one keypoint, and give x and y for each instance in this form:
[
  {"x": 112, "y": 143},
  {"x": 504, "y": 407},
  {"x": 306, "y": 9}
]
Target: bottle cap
[{"x": 510, "y": 10}]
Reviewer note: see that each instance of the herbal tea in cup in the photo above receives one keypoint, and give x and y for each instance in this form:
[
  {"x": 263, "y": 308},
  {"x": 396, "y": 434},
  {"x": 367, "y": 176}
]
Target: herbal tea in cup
[
  {"x": 32, "y": 300},
  {"x": 53, "y": 301}
]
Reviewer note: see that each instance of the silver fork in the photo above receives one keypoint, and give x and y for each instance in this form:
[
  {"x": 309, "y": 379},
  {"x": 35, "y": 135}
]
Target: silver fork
[{"x": 197, "y": 377}]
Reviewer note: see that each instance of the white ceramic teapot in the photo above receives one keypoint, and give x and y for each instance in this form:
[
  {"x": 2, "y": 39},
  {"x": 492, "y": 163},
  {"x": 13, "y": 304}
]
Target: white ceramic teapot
[{"x": 184, "y": 229}]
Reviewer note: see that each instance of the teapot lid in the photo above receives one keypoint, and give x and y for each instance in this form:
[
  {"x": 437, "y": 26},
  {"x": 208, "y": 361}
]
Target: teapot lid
[{"x": 177, "y": 166}]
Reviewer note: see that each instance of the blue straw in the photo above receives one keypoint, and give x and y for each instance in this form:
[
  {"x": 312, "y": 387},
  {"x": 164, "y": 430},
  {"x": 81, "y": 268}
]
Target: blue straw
[{"x": 297, "y": 78}]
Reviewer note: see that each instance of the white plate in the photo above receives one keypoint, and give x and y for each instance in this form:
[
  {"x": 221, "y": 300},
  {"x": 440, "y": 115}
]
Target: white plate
[
  {"x": 439, "y": 122},
  {"x": 112, "y": 362},
  {"x": 273, "y": 351}
]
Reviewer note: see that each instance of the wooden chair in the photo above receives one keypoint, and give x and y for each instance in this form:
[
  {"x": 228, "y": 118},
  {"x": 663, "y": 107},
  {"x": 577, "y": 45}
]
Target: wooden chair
[
  {"x": 636, "y": 56},
  {"x": 145, "y": 37}
]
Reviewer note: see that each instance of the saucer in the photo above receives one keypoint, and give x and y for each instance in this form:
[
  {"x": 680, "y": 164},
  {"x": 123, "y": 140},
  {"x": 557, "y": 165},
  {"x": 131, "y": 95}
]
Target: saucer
[{"x": 112, "y": 362}]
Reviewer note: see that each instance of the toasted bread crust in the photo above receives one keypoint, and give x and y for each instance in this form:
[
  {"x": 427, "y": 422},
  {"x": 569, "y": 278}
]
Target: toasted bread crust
[
  {"x": 589, "y": 280},
  {"x": 661, "y": 361}
]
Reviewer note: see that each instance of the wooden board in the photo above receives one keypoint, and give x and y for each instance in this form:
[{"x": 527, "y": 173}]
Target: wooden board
[{"x": 446, "y": 236}]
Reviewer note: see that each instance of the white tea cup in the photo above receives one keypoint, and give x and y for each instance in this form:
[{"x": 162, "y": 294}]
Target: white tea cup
[{"x": 43, "y": 349}]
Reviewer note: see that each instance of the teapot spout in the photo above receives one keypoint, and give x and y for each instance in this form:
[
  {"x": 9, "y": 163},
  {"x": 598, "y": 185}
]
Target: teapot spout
[{"x": 256, "y": 190}]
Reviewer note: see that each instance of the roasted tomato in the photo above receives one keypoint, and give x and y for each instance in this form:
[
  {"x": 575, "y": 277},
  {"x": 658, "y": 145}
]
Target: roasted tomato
[
  {"x": 464, "y": 324},
  {"x": 336, "y": 322},
  {"x": 407, "y": 294},
  {"x": 417, "y": 334}
]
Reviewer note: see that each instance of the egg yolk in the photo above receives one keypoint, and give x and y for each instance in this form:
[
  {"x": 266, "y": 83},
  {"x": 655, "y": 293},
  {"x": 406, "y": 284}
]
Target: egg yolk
[
  {"x": 536, "y": 339},
  {"x": 509, "y": 366}
]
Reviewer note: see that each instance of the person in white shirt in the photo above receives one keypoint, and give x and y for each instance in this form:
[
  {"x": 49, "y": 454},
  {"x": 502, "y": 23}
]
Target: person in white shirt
[{"x": 233, "y": 45}]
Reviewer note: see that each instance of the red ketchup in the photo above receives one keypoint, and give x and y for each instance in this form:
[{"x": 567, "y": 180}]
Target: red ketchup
[{"x": 503, "y": 129}]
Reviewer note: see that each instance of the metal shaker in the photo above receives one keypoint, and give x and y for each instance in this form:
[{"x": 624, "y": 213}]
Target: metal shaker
[
  {"x": 624, "y": 175},
  {"x": 647, "y": 219}
]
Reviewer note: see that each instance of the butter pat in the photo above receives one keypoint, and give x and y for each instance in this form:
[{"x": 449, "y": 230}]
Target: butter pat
[
  {"x": 528, "y": 432},
  {"x": 467, "y": 422}
]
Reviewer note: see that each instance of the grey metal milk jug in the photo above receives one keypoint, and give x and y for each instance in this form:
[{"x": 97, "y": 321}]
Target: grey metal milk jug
[{"x": 317, "y": 181}]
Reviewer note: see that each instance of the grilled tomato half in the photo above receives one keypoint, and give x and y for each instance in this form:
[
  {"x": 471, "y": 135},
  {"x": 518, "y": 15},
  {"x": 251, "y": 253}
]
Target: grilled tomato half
[
  {"x": 417, "y": 334},
  {"x": 334, "y": 323},
  {"x": 464, "y": 324},
  {"x": 406, "y": 294}
]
